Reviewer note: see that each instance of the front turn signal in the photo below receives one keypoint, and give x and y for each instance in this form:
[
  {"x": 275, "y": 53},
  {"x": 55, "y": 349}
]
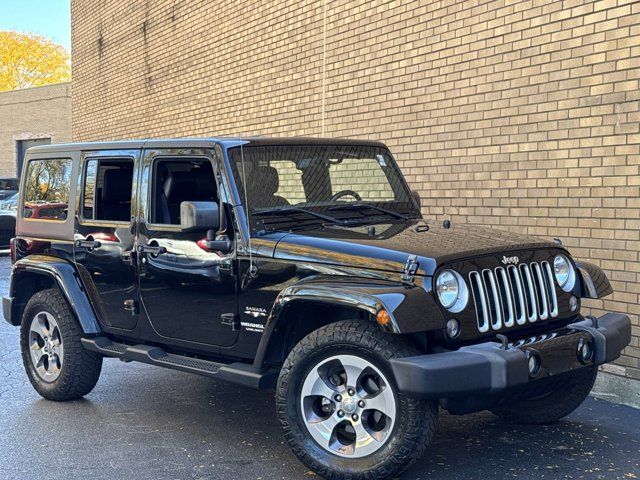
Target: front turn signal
[{"x": 383, "y": 317}]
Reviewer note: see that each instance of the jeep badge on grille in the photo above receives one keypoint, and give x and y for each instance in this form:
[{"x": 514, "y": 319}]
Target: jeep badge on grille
[{"x": 510, "y": 260}]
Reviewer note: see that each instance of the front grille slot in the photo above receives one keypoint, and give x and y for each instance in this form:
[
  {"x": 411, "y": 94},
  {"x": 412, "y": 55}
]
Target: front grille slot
[
  {"x": 480, "y": 300},
  {"x": 508, "y": 296},
  {"x": 518, "y": 294}
]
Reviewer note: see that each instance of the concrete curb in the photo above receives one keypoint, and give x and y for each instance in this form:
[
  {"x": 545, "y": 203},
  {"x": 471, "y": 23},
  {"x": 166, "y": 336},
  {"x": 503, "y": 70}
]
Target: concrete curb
[{"x": 617, "y": 389}]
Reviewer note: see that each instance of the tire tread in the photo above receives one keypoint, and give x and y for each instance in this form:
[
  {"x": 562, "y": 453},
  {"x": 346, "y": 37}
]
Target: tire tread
[{"x": 558, "y": 404}]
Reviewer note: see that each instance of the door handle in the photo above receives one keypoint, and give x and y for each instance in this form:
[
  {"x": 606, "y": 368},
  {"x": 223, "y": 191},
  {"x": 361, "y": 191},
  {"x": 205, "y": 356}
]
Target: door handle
[
  {"x": 152, "y": 250},
  {"x": 88, "y": 244}
]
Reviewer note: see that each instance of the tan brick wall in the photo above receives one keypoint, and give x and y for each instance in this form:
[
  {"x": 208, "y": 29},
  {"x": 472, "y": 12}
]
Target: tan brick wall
[
  {"x": 41, "y": 112},
  {"x": 522, "y": 115}
]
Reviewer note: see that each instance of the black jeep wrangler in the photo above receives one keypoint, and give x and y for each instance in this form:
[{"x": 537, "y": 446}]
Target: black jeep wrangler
[{"x": 302, "y": 265}]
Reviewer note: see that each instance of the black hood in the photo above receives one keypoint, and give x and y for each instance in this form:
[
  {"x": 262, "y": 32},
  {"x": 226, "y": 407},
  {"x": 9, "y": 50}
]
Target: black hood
[{"x": 389, "y": 246}]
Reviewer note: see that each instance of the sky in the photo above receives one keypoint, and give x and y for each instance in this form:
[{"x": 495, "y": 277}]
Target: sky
[{"x": 48, "y": 18}]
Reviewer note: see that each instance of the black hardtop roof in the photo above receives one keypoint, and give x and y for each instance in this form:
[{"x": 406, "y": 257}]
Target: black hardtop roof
[{"x": 225, "y": 142}]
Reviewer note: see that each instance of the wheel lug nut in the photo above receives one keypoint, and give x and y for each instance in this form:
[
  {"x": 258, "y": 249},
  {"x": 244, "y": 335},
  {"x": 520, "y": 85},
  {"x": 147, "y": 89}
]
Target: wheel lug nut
[
  {"x": 361, "y": 403},
  {"x": 354, "y": 417},
  {"x": 340, "y": 413},
  {"x": 352, "y": 392},
  {"x": 338, "y": 398}
]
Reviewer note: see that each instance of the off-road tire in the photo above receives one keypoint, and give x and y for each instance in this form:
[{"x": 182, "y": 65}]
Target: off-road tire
[
  {"x": 415, "y": 421},
  {"x": 80, "y": 368},
  {"x": 553, "y": 406}
]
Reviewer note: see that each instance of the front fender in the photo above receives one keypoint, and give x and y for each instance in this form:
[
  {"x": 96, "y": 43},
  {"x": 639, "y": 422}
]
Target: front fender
[
  {"x": 593, "y": 281},
  {"x": 65, "y": 275},
  {"x": 410, "y": 307}
]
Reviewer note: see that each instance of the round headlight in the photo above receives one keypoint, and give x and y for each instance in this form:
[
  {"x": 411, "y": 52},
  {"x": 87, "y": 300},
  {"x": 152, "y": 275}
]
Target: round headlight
[
  {"x": 452, "y": 291},
  {"x": 564, "y": 272}
]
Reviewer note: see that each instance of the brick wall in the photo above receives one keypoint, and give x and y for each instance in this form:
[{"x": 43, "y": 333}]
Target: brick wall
[
  {"x": 41, "y": 112},
  {"x": 522, "y": 115}
]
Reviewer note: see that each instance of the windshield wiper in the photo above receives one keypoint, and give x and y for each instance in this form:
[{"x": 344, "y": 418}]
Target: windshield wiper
[
  {"x": 364, "y": 206},
  {"x": 289, "y": 210}
]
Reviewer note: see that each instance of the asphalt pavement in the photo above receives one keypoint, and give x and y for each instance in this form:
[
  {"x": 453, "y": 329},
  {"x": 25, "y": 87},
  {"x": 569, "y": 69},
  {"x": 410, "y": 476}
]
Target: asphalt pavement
[{"x": 144, "y": 422}]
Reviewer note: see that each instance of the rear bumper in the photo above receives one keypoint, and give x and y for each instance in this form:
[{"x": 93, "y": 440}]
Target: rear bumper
[{"x": 487, "y": 368}]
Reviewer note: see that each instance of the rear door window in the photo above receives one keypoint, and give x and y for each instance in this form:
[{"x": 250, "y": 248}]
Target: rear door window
[
  {"x": 46, "y": 189},
  {"x": 107, "y": 190}
]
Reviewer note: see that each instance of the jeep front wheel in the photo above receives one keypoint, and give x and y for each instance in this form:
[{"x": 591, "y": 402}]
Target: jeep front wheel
[
  {"x": 58, "y": 366},
  {"x": 340, "y": 409}
]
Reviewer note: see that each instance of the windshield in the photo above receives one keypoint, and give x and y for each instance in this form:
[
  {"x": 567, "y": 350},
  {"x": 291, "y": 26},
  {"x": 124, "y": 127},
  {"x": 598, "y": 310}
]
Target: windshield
[{"x": 292, "y": 186}]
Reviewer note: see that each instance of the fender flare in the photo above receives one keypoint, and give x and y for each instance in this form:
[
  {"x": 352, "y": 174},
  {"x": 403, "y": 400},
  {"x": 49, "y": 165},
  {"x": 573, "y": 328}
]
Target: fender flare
[
  {"x": 65, "y": 275},
  {"x": 593, "y": 281},
  {"x": 411, "y": 309}
]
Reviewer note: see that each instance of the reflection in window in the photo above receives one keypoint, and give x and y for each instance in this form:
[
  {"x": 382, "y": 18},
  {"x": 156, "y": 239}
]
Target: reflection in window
[
  {"x": 47, "y": 189},
  {"x": 362, "y": 175}
]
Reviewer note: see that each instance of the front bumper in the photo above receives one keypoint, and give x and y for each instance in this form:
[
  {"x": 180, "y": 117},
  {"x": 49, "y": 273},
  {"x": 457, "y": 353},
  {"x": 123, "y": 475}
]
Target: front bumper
[{"x": 488, "y": 368}]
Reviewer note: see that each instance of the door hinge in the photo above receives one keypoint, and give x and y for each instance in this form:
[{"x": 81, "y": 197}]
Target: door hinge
[
  {"x": 231, "y": 319},
  {"x": 131, "y": 306},
  {"x": 410, "y": 269}
]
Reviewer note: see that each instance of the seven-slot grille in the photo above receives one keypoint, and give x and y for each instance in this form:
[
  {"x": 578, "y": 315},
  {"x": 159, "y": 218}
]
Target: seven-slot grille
[{"x": 513, "y": 295}]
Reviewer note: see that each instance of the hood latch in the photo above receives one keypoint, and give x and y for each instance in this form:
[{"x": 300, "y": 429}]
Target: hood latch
[{"x": 410, "y": 269}]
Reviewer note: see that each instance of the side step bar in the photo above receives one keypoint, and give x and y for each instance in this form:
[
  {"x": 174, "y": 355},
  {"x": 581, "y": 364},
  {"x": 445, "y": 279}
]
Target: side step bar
[{"x": 239, "y": 373}]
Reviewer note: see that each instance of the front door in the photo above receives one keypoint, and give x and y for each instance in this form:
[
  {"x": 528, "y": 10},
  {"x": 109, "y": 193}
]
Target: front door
[
  {"x": 105, "y": 234},
  {"x": 187, "y": 292}
]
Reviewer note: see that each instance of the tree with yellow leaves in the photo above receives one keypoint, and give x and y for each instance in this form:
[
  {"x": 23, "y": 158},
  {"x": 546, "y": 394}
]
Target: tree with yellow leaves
[{"x": 31, "y": 61}]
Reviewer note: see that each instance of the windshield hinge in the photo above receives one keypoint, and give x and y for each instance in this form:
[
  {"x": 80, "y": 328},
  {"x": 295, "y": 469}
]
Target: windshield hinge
[{"x": 410, "y": 269}]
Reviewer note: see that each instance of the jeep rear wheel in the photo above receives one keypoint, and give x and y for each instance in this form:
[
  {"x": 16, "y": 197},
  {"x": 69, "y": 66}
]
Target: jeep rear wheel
[
  {"x": 340, "y": 409},
  {"x": 57, "y": 365},
  {"x": 573, "y": 389}
]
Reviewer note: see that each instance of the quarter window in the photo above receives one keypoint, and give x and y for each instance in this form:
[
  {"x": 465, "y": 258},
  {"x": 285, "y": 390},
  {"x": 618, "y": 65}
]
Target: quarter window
[{"x": 46, "y": 189}]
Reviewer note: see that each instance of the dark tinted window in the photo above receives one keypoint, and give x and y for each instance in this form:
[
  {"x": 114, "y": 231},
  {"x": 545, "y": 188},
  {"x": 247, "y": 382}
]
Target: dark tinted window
[
  {"x": 46, "y": 189},
  {"x": 177, "y": 181},
  {"x": 8, "y": 184},
  {"x": 107, "y": 190}
]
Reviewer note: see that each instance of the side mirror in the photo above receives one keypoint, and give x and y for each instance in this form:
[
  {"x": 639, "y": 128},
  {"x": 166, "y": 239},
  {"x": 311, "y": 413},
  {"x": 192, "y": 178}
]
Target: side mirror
[
  {"x": 218, "y": 244},
  {"x": 199, "y": 216}
]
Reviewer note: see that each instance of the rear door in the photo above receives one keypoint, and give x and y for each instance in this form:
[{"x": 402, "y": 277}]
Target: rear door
[
  {"x": 105, "y": 235},
  {"x": 187, "y": 292}
]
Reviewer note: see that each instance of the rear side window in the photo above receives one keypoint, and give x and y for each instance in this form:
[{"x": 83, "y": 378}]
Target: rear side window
[
  {"x": 9, "y": 184},
  {"x": 107, "y": 190},
  {"x": 46, "y": 189}
]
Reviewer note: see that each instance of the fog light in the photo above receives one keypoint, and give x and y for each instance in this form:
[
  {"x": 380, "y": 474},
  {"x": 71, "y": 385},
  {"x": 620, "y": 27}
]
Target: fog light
[
  {"x": 534, "y": 364},
  {"x": 573, "y": 303},
  {"x": 585, "y": 351},
  {"x": 453, "y": 328}
]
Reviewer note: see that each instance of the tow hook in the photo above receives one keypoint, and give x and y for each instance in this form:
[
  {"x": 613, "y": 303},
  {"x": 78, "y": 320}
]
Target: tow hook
[{"x": 504, "y": 340}]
